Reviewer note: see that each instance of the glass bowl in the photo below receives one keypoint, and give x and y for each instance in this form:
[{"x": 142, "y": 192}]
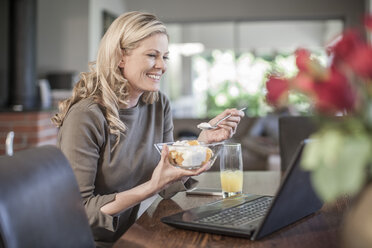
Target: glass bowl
[{"x": 190, "y": 154}]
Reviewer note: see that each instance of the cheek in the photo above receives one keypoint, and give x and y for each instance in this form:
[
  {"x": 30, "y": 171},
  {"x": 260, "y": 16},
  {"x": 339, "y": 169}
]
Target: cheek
[
  {"x": 130, "y": 74},
  {"x": 136, "y": 69},
  {"x": 130, "y": 70},
  {"x": 150, "y": 63}
]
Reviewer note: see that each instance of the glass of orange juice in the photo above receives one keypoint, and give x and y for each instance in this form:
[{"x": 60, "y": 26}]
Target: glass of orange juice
[{"x": 231, "y": 169}]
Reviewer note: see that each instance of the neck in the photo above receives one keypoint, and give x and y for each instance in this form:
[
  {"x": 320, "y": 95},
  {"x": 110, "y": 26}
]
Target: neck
[
  {"x": 132, "y": 101},
  {"x": 133, "y": 98}
]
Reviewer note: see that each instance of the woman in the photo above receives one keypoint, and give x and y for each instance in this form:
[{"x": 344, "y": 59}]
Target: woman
[{"x": 115, "y": 115}]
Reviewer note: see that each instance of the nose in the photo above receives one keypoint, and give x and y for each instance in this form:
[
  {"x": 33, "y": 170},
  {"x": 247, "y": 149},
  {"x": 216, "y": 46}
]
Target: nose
[{"x": 161, "y": 64}]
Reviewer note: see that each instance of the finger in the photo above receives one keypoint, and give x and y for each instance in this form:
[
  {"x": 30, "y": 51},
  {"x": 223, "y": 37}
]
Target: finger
[
  {"x": 208, "y": 165},
  {"x": 220, "y": 116},
  {"x": 164, "y": 153},
  {"x": 234, "y": 126},
  {"x": 233, "y": 118},
  {"x": 197, "y": 172},
  {"x": 227, "y": 128},
  {"x": 239, "y": 113},
  {"x": 205, "y": 167},
  {"x": 231, "y": 124},
  {"x": 226, "y": 112},
  {"x": 233, "y": 112},
  {"x": 226, "y": 132}
]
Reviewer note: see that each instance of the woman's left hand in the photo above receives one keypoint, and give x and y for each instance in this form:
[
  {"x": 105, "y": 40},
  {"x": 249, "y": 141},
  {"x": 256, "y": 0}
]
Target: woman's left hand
[{"x": 225, "y": 130}]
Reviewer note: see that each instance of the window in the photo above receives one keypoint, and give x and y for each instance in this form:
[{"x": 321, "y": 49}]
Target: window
[{"x": 214, "y": 66}]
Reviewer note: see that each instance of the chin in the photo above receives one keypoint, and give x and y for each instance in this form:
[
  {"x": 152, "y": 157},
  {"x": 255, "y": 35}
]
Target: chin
[
  {"x": 154, "y": 90},
  {"x": 147, "y": 89}
]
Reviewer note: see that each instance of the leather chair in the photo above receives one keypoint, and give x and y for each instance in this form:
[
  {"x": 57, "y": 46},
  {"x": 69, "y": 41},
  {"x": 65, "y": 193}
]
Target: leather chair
[
  {"x": 292, "y": 131},
  {"x": 40, "y": 203}
]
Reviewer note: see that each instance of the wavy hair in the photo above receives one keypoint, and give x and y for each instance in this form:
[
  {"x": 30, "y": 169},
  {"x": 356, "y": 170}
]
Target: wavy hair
[{"x": 104, "y": 80}]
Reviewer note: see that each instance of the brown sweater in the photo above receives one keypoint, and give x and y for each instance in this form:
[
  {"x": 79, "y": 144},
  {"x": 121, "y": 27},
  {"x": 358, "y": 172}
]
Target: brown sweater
[{"x": 85, "y": 140}]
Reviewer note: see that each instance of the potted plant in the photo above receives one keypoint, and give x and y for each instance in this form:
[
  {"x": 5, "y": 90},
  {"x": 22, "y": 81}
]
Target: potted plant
[{"x": 340, "y": 158}]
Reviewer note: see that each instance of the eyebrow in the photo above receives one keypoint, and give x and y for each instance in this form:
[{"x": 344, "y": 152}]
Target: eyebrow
[{"x": 154, "y": 50}]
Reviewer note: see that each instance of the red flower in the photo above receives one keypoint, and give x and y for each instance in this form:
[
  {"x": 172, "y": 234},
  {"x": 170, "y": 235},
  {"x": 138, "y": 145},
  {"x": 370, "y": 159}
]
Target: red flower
[
  {"x": 361, "y": 61},
  {"x": 309, "y": 65},
  {"x": 303, "y": 82},
  {"x": 345, "y": 47},
  {"x": 368, "y": 22},
  {"x": 334, "y": 94},
  {"x": 302, "y": 59},
  {"x": 337, "y": 88},
  {"x": 277, "y": 89}
]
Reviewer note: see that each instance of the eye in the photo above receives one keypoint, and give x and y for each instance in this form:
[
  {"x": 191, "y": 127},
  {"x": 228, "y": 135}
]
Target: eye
[
  {"x": 152, "y": 55},
  {"x": 166, "y": 57}
]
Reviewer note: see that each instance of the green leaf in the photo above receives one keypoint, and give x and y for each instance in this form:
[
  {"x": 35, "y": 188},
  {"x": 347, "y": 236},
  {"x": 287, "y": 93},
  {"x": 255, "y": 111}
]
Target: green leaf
[
  {"x": 311, "y": 155},
  {"x": 324, "y": 150},
  {"x": 347, "y": 174},
  {"x": 352, "y": 162},
  {"x": 331, "y": 145},
  {"x": 325, "y": 184}
]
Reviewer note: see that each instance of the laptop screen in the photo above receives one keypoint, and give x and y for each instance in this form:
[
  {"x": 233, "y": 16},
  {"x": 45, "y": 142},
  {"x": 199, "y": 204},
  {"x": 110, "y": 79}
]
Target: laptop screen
[{"x": 295, "y": 198}]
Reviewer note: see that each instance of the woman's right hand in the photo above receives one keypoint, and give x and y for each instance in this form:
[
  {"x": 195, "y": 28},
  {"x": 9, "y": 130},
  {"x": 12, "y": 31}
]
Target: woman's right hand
[{"x": 165, "y": 173}]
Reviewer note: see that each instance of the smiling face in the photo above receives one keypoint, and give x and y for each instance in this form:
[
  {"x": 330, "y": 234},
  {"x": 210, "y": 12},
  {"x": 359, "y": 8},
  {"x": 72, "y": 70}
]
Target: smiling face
[{"x": 144, "y": 65}]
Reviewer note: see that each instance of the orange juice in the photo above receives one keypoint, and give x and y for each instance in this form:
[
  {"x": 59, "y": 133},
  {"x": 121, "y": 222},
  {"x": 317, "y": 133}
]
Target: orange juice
[{"x": 232, "y": 181}]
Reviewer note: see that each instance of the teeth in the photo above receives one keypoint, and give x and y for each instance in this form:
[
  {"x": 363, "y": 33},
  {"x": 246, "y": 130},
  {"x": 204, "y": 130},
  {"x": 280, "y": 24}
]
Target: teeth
[{"x": 157, "y": 77}]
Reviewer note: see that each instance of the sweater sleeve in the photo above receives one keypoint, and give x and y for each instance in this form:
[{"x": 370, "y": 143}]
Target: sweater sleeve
[
  {"x": 178, "y": 186},
  {"x": 168, "y": 122},
  {"x": 81, "y": 137}
]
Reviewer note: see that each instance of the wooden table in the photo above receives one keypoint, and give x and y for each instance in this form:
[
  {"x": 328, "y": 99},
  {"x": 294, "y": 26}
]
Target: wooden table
[{"x": 318, "y": 230}]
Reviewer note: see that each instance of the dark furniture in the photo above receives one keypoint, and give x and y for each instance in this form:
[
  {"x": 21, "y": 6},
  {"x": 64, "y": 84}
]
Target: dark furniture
[
  {"x": 292, "y": 131},
  {"x": 40, "y": 203},
  {"x": 316, "y": 231}
]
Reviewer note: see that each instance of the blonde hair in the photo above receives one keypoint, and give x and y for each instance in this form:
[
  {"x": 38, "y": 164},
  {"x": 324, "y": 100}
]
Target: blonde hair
[{"x": 104, "y": 80}]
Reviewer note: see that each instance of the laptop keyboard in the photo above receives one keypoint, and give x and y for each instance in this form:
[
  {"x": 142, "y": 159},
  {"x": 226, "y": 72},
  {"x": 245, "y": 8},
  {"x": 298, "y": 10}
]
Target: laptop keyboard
[{"x": 240, "y": 214}]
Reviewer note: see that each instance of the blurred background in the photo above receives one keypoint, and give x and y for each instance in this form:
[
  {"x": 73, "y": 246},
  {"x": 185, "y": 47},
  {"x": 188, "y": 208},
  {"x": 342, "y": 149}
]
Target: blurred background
[{"x": 220, "y": 55}]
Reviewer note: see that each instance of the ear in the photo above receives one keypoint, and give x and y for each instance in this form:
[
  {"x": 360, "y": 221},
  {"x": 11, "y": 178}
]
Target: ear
[{"x": 122, "y": 63}]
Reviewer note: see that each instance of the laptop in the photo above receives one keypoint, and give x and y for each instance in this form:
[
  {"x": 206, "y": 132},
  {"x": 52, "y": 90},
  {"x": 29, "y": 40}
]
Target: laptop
[{"x": 255, "y": 216}]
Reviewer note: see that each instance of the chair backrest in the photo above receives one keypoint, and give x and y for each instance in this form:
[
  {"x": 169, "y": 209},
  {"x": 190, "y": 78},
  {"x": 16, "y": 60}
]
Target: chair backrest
[
  {"x": 40, "y": 203},
  {"x": 292, "y": 131}
]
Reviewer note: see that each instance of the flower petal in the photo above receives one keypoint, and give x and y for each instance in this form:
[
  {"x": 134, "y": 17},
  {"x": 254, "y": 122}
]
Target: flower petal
[
  {"x": 277, "y": 89},
  {"x": 361, "y": 61},
  {"x": 368, "y": 22},
  {"x": 302, "y": 59}
]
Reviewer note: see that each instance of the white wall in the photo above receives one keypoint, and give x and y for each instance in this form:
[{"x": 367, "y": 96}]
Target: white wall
[
  {"x": 62, "y": 39},
  {"x": 259, "y": 36},
  {"x": 115, "y": 7},
  {"x": 235, "y": 10},
  {"x": 256, "y": 25},
  {"x": 213, "y": 35},
  {"x": 69, "y": 32},
  {"x": 268, "y": 37}
]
